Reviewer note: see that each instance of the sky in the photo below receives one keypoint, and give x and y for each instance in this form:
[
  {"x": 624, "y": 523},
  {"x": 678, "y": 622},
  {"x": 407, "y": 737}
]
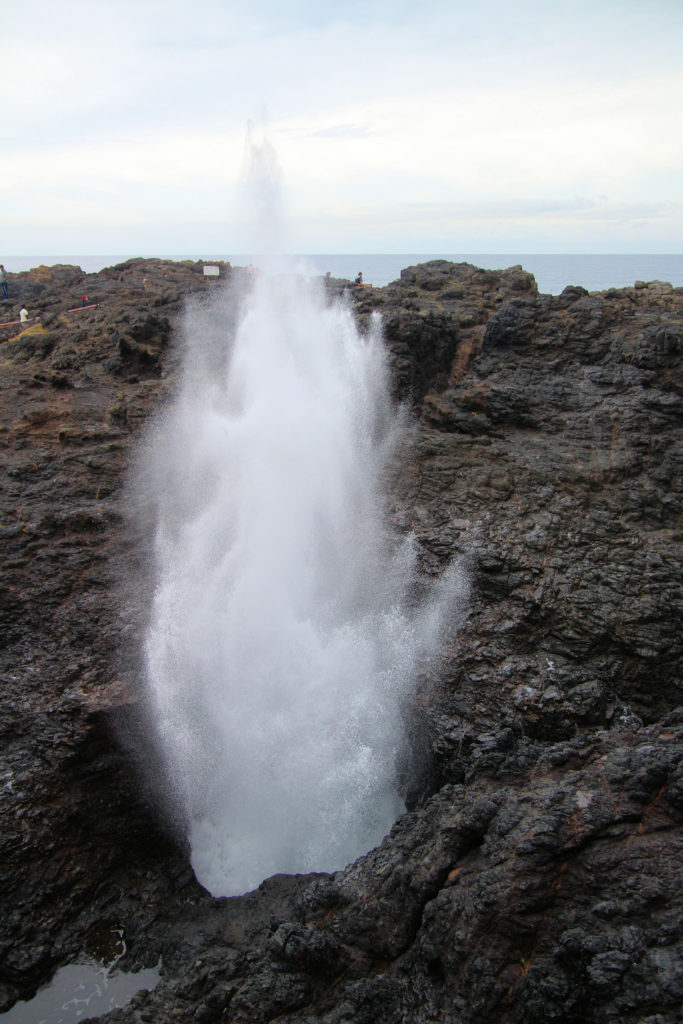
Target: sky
[{"x": 386, "y": 126}]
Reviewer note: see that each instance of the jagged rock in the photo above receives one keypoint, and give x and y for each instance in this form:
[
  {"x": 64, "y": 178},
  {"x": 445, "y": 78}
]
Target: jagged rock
[{"x": 537, "y": 876}]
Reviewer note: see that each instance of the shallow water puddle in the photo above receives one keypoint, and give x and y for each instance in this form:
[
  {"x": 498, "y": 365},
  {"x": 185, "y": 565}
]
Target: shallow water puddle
[{"x": 82, "y": 990}]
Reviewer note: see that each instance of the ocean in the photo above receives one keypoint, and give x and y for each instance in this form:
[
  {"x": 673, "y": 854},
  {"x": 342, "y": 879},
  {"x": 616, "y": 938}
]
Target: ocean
[{"x": 553, "y": 271}]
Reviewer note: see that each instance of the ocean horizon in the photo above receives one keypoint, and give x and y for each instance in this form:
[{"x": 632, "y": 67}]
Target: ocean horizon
[{"x": 553, "y": 271}]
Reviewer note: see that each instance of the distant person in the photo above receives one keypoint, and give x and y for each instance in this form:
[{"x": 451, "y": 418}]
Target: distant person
[
  {"x": 84, "y": 300},
  {"x": 328, "y": 274},
  {"x": 3, "y": 283},
  {"x": 23, "y": 315},
  {"x": 359, "y": 279}
]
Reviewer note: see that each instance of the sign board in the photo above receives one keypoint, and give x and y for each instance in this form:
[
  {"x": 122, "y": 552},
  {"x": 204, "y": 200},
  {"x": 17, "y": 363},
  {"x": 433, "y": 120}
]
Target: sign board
[{"x": 210, "y": 271}]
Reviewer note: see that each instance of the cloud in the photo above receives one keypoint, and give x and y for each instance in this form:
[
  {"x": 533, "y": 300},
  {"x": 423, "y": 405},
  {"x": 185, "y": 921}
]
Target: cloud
[
  {"x": 380, "y": 113},
  {"x": 343, "y": 131}
]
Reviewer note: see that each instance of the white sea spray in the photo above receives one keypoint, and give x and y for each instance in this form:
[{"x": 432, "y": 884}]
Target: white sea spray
[{"x": 284, "y": 639}]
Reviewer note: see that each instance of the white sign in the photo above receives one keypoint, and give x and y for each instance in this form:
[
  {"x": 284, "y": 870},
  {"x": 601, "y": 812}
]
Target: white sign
[{"x": 211, "y": 271}]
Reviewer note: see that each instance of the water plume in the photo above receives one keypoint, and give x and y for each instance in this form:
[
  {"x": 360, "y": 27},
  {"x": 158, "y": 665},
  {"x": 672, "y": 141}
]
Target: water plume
[
  {"x": 261, "y": 208},
  {"x": 285, "y": 633},
  {"x": 285, "y": 636}
]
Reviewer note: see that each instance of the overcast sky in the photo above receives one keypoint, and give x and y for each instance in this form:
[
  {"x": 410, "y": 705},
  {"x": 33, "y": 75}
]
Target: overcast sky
[{"x": 397, "y": 126}]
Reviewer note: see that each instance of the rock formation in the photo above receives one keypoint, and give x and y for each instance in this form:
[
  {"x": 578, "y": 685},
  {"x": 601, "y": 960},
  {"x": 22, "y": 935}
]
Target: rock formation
[{"x": 537, "y": 875}]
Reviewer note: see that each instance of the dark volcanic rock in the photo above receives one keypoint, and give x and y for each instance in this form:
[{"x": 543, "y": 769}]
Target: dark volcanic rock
[{"x": 538, "y": 876}]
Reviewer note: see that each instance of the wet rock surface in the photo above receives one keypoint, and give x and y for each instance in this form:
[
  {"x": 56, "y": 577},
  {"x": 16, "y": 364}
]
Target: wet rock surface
[{"x": 538, "y": 875}]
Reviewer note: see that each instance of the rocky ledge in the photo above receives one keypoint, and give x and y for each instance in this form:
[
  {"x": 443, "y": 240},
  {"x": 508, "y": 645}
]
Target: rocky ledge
[{"x": 537, "y": 876}]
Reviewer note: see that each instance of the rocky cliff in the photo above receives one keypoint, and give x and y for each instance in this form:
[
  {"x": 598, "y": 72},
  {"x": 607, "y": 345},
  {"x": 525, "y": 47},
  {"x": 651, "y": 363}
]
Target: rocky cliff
[{"x": 537, "y": 876}]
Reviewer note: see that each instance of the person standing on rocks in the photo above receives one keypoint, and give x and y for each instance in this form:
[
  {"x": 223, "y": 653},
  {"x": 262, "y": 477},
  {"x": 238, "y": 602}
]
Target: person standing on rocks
[{"x": 3, "y": 283}]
